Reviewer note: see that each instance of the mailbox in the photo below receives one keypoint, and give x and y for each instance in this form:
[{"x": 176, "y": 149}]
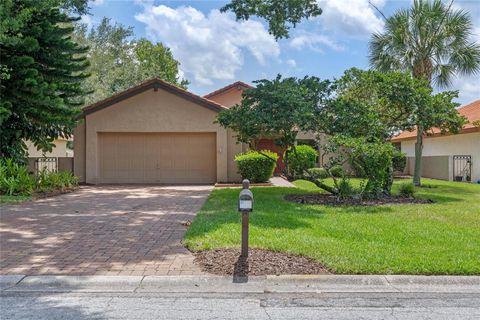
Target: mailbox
[
  {"x": 245, "y": 201},
  {"x": 245, "y": 205}
]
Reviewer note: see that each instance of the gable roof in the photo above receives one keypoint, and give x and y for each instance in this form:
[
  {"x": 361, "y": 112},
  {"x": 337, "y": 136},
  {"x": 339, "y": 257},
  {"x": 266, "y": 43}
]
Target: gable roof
[
  {"x": 152, "y": 84},
  {"x": 470, "y": 111},
  {"x": 226, "y": 88}
]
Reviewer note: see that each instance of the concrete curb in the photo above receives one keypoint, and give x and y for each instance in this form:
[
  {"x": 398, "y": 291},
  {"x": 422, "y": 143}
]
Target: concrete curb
[{"x": 254, "y": 284}]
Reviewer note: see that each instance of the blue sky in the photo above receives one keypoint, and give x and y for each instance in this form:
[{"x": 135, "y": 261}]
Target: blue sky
[{"x": 215, "y": 50}]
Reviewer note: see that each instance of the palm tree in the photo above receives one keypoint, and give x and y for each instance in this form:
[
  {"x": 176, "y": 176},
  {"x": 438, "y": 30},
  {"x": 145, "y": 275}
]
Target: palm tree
[{"x": 432, "y": 42}]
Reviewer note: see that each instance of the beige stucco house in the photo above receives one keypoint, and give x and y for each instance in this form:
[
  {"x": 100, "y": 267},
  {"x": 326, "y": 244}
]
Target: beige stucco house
[
  {"x": 451, "y": 156},
  {"x": 156, "y": 133}
]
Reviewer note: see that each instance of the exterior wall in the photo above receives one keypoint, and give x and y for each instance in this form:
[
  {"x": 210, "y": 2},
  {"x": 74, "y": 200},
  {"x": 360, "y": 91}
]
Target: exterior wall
[
  {"x": 234, "y": 148},
  {"x": 152, "y": 111},
  {"x": 65, "y": 164},
  {"x": 450, "y": 145},
  {"x": 436, "y": 167},
  {"x": 229, "y": 98},
  {"x": 60, "y": 150},
  {"x": 79, "y": 151}
]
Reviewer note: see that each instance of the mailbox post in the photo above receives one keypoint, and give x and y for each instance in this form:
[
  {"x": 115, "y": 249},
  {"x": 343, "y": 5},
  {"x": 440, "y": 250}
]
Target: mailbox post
[{"x": 245, "y": 206}]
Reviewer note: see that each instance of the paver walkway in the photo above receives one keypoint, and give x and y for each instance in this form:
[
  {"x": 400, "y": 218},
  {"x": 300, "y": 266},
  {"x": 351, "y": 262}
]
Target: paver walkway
[{"x": 107, "y": 230}]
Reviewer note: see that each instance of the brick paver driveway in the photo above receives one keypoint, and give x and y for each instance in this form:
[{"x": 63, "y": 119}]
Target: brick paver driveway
[{"x": 108, "y": 230}]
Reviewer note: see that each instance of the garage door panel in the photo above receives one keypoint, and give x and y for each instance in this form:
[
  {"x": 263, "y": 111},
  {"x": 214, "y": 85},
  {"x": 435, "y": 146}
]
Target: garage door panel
[{"x": 157, "y": 157}]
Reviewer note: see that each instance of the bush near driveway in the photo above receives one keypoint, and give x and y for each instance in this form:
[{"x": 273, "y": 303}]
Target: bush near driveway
[
  {"x": 438, "y": 238},
  {"x": 16, "y": 184}
]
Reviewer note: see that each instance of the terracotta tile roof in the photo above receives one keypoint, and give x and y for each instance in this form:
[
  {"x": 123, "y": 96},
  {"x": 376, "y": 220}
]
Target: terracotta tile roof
[
  {"x": 152, "y": 84},
  {"x": 230, "y": 86},
  {"x": 471, "y": 111}
]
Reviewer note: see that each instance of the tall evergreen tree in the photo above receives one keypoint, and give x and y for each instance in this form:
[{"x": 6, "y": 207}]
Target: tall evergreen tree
[{"x": 41, "y": 73}]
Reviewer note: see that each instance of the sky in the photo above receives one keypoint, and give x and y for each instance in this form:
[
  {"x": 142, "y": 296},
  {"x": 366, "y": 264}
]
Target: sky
[{"x": 215, "y": 50}]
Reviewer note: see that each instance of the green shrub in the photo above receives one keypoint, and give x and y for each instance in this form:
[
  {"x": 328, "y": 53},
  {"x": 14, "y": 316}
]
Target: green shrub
[
  {"x": 346, "y": 189},
  {"x": 14, "y": 178},
  {"x": 256, "y": 166},
  {"x": 399, "y": 161},
  {"x": 407, "y": 190},
  {"x": 318, "y": 173},
  {"x": 336, "y": 171},
  {"x": 300, "y": 159},
  {"x": 49, "y": 181}
]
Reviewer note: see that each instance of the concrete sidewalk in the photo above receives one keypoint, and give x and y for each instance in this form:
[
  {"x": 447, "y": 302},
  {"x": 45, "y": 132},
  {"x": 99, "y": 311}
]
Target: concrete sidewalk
[{"x": 257, "y": 284}]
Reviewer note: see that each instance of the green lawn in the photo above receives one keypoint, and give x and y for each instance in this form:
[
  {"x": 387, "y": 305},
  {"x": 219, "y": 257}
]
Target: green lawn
[
  {"x": 438, "y": 238},
  {"x": 14, "y": 199}
]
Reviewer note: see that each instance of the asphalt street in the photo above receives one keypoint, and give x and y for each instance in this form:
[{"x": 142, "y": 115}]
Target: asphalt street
[
  {"x": 345, "y": 305},
  {"x": 264, "y": 297}
]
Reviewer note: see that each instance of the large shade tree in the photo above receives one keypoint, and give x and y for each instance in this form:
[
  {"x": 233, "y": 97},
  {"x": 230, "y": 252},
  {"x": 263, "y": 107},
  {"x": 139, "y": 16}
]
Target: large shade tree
[
  {"x": 371, "y": 106},
  {"x": 280, "y": 14},
  {"x": 276, "y": 109},
  {"x": 432, "y": 41},
  {"x": 119, "y": 61},
  {"x": 42, "y": 70}
]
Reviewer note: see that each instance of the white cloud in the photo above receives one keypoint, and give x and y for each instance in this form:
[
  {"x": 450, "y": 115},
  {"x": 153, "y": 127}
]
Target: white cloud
[
  {"x": 469, "y": 88},
  {"x": 291, "y": 62},
  {"x": 209, "y": 47},
  {"x": 314, "y": 42},
  {"x": 88, "y": 20},
  {"x": 98, "y": 2},
  {"x": 353, "y": 18}
]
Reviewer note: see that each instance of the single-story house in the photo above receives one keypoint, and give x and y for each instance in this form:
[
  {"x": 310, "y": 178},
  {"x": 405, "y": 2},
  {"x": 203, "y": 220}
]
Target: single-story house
[
  {"x": 60, "y": 150},
  {"x": 447, "y": 156},
  {"x": 59, "y": 159},
  {"x": 157, "y": 132}
]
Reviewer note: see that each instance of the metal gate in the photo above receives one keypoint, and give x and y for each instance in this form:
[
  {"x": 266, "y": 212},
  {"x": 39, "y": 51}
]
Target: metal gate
[
  {"x": 462, "y": 168},
  {"x": 48, "y": 164}
]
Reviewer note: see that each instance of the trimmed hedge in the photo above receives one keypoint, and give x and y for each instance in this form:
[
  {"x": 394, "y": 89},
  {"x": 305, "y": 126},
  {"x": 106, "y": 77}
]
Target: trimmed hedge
[
  {"x": 255, "y": 166},
  {"x": 303, "y": 158}
]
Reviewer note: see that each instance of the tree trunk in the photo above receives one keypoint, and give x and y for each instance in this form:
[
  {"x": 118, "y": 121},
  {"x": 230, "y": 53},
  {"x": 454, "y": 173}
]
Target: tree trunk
[
  {"x": 286, "y": 171},
  {"x": 418, "y": 157},
  {"x": 387, "y": 187},
  {"x": 319, "y": 183}
]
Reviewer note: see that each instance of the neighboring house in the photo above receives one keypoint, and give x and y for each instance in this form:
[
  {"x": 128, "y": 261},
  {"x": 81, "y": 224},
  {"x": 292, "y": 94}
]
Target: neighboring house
[
  {"x": 60, "y": 150},
  {"x": 59, "y": 159},
  {"x": 449, "y": 156},
  {"x": 158, "y": 133}
]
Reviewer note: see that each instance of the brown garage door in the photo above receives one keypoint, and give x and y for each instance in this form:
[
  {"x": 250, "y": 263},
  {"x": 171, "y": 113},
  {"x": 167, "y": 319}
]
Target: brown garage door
[{"x": 157, "y": 157}]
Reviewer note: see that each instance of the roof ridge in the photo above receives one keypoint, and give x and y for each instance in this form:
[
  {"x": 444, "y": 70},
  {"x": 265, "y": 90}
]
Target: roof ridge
[
  {"x": 471, "y": 111},
  {"x": 228, "y": 87},
  {"x": 154, "y": 83}
]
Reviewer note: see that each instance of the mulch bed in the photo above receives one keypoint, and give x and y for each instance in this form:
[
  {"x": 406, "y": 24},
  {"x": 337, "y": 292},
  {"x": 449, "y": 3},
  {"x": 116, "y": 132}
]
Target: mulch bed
[
  {"x": 259, "y": 262},
  {"x": 330, "y": 200},
  {"x": 239, "y": 185}
]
